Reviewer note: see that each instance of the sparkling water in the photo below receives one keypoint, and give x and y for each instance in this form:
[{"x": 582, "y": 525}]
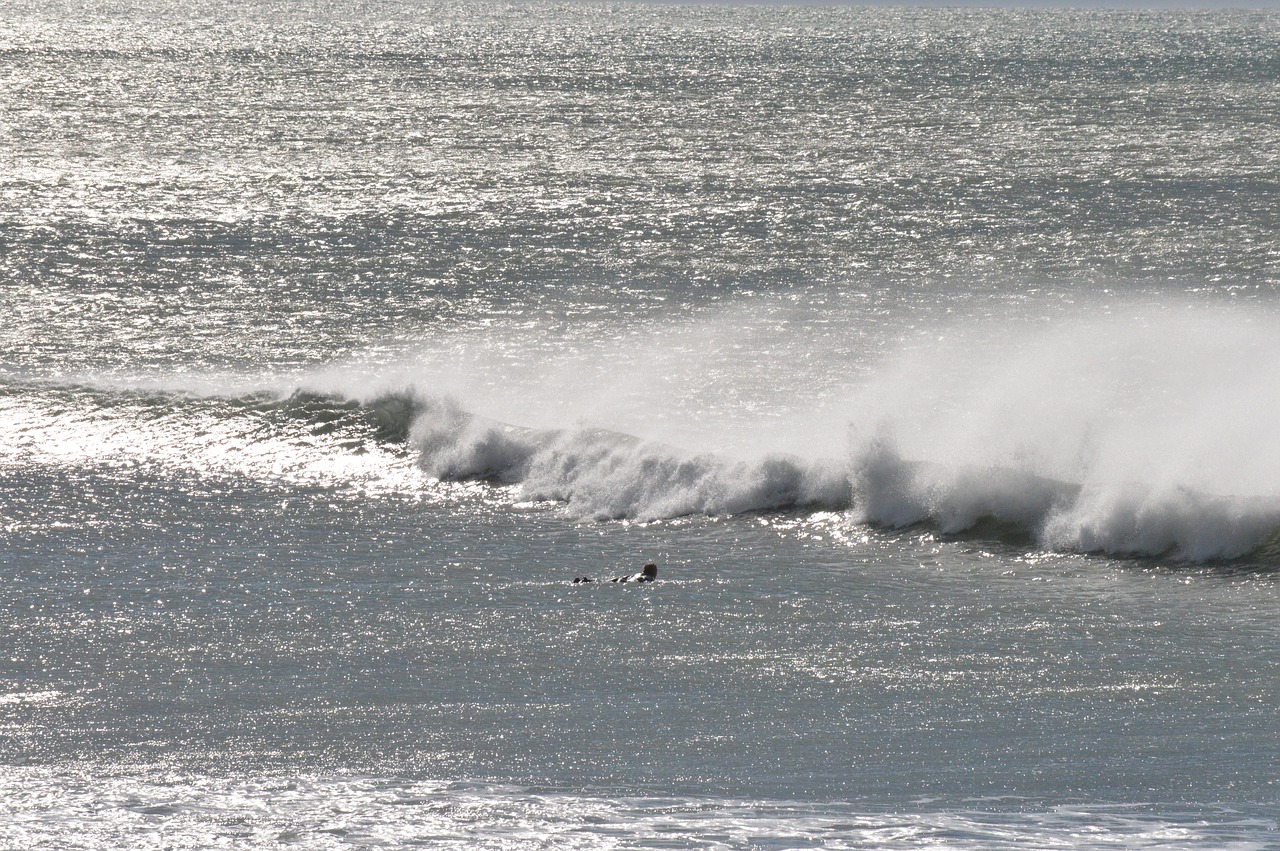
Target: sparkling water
[{"x": 933, "y": 355}]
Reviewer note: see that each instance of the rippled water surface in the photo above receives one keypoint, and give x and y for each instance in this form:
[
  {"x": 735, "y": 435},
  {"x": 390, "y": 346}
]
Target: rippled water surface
[{"x": 930, "y": 353}]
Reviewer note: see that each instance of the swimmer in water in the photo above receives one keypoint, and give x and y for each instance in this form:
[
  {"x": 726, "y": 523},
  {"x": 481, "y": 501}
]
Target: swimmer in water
[{"x": 648, "y": 574}]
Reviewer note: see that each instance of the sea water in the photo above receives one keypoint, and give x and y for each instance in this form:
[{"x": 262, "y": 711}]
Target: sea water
[{"x": 933, "y": 355}]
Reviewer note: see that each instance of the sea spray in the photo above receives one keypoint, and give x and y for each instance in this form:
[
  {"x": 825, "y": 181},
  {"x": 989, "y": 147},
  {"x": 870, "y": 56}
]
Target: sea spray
[
  {"x": 1146, "y": 432},
  {"x": 893, "y": 492},
  {"x": 454, "y": 444},
  {"x": 606, "y": 475},
  {"x": 1149, "y": 432}
]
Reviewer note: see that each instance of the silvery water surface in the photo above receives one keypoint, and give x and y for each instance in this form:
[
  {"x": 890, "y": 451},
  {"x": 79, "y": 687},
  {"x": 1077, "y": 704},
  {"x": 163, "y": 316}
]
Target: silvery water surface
[{"x": 934, "y": 356}]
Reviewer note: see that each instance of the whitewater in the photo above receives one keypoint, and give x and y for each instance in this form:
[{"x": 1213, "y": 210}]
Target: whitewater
[
  {"x": 932, "y": 354},
  {"x": 1143, "y": 434}
]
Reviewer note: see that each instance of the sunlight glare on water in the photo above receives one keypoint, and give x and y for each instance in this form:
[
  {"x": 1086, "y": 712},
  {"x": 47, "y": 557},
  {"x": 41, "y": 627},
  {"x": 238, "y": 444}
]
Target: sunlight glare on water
[{"x": 930, "y": 354}]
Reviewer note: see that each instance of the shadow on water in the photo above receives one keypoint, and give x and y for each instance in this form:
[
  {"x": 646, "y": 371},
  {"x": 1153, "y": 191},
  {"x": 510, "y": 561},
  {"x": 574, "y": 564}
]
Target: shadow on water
[
  {"x": 1016, "y": 541},
  {"x": 1262, "y": 562}
]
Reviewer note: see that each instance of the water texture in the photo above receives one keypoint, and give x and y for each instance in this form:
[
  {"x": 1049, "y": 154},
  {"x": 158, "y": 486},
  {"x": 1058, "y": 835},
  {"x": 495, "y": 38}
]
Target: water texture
[{"x": 930, "y": 353}]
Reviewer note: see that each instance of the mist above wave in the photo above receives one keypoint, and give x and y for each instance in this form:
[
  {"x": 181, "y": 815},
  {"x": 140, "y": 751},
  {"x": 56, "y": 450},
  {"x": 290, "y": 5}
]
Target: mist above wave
[
  {"x": 1143, "y": 433},
  {"x": 1148, "y": 431}
]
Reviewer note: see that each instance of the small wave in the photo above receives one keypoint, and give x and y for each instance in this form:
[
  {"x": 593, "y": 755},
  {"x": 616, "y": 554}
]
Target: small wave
[
  {"x": 30, "y": 698},
  {"x": 299, "y": 438}
]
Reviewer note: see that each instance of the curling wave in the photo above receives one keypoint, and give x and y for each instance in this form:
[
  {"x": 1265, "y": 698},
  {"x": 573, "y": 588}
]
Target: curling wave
[
  {"x": 1146, "y": 435},
  {"x": 1122, "y": 518},
  {"x": 602, "y": 474},
  {"x": 605, "y": 475}
]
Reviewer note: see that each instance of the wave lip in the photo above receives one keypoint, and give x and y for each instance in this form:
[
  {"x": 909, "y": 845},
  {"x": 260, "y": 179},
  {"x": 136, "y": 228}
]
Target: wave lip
[
  {"x": 397, "y": 438},
  {"x": 1126, "y": 518},
  {"x": 599, "y": 474},
  {"x": 605, "y": 475}
]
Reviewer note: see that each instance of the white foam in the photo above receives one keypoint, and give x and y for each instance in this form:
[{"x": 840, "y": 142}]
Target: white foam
[
  {"x": 1143, "y": 434},
  {"x": 606, "y": 475},
  {"x": 1145, "y": 431}
]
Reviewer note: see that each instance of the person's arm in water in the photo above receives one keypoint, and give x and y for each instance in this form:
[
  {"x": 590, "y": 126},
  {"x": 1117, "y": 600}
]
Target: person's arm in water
[{"x": 649, "y": 574}]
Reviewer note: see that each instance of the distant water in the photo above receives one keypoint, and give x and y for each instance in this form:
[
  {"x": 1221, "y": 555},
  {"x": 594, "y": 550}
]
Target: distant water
[{"x": 934, "y": 356}]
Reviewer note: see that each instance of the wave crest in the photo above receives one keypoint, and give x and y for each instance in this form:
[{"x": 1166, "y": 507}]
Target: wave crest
[
  {"x": 605, "y": 475},
  {"x": 1150, "y": 434},
  {"x": 1127, "y": 518}
]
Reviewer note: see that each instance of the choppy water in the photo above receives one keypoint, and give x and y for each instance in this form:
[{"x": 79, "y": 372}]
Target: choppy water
[{"x": 932, "y": 354}]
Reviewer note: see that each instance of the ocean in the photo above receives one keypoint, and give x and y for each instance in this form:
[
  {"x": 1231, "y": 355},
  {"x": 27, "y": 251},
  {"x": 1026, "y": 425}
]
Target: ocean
[{"x": 933, "y": 355}]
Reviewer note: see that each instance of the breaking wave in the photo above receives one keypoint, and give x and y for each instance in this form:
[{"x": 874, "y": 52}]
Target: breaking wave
[
  {"x": 1124, "y": 518},
  {"x": 606, "y": 475},
  {"x": 600, "y": 475},
  {"x": 1143, "y": 433},
  {"x": 1146, "y": 435}
]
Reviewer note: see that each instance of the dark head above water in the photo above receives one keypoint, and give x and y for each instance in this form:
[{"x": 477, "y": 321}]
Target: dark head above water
[{"x": 648, "y": 574}]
